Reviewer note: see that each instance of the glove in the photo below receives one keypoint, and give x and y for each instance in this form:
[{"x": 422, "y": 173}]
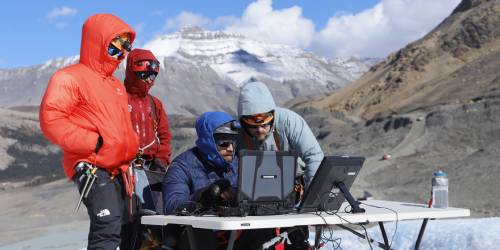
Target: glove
[
  {"x": 216, "y": 194},
  {"x": 227, "y": 194},
  {"x": 208, "y": 196}
]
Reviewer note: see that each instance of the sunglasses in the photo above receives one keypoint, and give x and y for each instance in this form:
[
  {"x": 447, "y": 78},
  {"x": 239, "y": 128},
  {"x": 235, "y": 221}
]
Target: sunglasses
[
  {"x": 224, "y": 143},
  {"x": 146, "y": 75}
]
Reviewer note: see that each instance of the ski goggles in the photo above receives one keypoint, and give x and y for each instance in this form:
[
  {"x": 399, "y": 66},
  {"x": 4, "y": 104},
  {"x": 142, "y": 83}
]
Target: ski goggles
[
  {"x": 146, "y": 75},
  {"x": 146, "y": 65},
  {"x": 258, "y": 120},
  {"x": 118, "y": 45}
]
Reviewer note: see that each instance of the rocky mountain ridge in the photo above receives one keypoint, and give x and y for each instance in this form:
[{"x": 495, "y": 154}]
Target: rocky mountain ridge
[
  {"x": 213, "y": 63},
  {"x": 456, "y": 62}
]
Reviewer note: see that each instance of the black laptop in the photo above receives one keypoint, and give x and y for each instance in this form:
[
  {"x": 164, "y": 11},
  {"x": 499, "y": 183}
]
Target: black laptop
[
  {"x": 266, "y": 181},
  {"x": 331, "y": 183}
]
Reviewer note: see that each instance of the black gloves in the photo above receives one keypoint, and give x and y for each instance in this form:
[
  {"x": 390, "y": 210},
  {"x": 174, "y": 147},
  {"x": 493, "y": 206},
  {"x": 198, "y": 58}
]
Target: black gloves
[{"x": 219, "y": 193}]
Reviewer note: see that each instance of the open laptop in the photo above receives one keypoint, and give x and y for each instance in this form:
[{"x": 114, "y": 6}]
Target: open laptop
[
  {"x": 266, "y": 180},
  {"x": 331, "y": 183}
]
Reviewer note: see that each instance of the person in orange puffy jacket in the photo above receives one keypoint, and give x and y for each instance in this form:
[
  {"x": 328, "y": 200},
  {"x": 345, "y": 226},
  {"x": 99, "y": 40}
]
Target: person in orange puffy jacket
[{"x": 85, "y": 112}]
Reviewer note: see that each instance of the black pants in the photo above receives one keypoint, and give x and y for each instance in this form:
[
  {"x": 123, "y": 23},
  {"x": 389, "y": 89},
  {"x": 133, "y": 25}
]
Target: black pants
[
  {"x": 107, "y": 207},
  {"x": 299, "y": 236}
]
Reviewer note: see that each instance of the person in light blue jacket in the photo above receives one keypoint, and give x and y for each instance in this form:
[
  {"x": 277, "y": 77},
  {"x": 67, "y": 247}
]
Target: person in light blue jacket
[{"x": 268, "y": 127}]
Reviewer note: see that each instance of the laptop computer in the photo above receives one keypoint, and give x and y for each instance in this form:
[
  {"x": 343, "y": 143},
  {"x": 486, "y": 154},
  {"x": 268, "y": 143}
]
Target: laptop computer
[
  {"x": 331, "y": 183},
  {"x": 266, "y": 180}
]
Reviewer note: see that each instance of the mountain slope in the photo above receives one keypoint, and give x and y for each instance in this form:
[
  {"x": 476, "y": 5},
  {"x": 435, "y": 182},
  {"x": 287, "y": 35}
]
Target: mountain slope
[
  {"x": 457, "y": 62},
  {"x": 434, "y": 103}
]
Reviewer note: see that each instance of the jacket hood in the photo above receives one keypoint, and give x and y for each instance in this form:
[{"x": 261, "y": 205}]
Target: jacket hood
[
  {"x": 97, "y": 32},
  {"x": 255, "y": 98},
  {"x": 205, "y": 126},
  {"x": 133, "y": 84}
]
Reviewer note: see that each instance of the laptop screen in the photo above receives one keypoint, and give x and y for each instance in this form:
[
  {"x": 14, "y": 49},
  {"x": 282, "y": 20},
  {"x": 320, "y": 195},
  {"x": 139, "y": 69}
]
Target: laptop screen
[
  {"x": 324, "y": 193},
  {"x": 266, "y": 176}
]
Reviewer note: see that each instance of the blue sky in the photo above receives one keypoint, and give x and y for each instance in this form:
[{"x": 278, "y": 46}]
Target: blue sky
[{"x": 35, "y": 31}]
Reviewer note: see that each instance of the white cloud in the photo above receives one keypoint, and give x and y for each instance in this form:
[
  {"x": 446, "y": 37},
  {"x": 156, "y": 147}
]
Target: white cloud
[
  {"x": 187, "y": 19},
  {"x": 375, "y": 32},
  {"x": 286, "y": 26},
  {"x": 63, "y": 11}
]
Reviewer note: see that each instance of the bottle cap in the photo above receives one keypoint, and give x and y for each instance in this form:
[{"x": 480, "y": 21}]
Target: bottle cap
[{"x": 440, "y": 173}]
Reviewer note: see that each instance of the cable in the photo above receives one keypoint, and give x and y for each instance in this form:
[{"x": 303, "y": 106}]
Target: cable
[
  {"x": 397, "y": 220},
  {"x": 335, "y": 212},
  {"x": 324, "y": 240}
]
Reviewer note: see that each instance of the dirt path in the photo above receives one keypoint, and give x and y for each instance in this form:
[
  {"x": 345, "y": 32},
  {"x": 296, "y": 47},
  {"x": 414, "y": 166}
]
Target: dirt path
[{"x": 409, "y": 145}]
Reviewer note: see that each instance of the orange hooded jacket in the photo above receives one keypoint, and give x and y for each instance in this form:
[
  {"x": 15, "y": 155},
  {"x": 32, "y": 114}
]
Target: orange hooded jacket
[{"x": 84, "y": 101}]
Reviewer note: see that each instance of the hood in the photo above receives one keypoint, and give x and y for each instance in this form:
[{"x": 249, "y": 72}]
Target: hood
[
  {"x": 97, "y": 32},
  {"x": 205, "y": 126},
  {"x": 255, "y": 98},
  {"x": 133, "y": 84}
]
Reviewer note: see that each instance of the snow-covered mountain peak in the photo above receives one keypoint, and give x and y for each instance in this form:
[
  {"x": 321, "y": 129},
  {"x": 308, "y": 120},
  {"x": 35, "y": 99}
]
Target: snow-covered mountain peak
[
  {"x": 238, "y": 58},
  {"x": 58, "y": 62},
  {"x": 195, "y": 32},
  {"x": 215, "y": 64}
]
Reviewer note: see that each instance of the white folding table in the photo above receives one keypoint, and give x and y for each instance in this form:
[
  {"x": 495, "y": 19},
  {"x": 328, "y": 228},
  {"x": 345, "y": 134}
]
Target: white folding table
[{"x": 376, "y": 211}]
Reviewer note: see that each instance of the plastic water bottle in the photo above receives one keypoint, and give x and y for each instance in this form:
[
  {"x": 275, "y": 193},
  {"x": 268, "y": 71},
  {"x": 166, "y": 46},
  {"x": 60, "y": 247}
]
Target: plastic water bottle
[{"x": 440, "y": 190}]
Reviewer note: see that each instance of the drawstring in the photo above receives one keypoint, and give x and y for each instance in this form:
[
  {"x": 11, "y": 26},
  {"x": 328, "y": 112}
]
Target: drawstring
[
  {"x": 141, "y": 150},
  {"x": 128, "y": 179}
]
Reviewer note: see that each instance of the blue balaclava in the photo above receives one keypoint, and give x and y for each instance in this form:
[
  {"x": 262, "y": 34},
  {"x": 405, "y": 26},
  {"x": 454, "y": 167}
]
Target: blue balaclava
[{"x": 208, "y": 125}]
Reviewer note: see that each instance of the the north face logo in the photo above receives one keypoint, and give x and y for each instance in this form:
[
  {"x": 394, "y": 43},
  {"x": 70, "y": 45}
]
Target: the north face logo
[
  {"x": 104, "y": 212},
  {"x": 119, "y": 91}
]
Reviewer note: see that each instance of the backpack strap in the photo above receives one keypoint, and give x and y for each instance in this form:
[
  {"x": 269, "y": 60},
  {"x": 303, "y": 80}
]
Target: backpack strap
[
  {"x": 155, "y": 121},
  {"x": 276, "y": 140}
]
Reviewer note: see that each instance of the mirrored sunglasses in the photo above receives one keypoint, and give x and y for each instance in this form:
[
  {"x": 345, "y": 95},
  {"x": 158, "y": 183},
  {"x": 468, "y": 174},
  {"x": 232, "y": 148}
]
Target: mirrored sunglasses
[{"x": 114, "y": 51}]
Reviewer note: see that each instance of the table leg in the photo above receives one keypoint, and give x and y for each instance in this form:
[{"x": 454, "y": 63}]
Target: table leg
[
  {"x": 190, "y": 234},
  {"x": 384, "y": 234},
  {"x": 420, "y": 234},
  {"x": 317, "y": 237},
  {"x": 232, "y": 239},
  {"x": 362, "y": 236}
]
